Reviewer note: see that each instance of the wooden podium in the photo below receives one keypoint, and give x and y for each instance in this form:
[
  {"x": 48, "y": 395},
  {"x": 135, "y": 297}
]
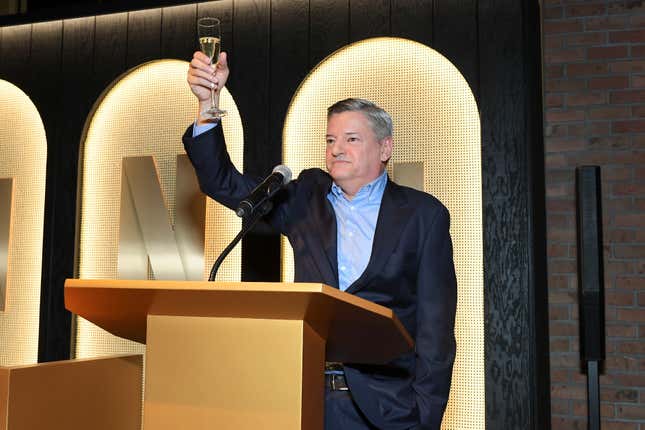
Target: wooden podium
[{"x": 238, "y": 355}]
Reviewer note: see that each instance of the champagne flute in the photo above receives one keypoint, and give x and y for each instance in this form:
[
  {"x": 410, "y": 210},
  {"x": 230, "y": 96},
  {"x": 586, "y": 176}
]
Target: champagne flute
[{"x": 209, "y": 33}]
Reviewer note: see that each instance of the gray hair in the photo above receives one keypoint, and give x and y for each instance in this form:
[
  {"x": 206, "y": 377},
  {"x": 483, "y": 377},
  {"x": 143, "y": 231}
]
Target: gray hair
[{"x": 380, "y": 120}]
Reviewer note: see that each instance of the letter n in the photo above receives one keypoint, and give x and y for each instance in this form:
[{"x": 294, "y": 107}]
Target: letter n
[{"x": 150, "y": 246}]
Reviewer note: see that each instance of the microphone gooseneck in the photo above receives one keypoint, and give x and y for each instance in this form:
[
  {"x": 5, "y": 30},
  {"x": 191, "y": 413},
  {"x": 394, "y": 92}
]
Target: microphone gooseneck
[
  {"x": 247, "y": 225},
  {"x": 253, "y": 207}
]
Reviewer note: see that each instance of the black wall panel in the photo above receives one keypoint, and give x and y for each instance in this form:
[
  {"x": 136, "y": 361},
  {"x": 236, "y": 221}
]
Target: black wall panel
[
  {"x": 44, "y": 79},
  {"x": 412, "y": 19},
  {"x": 144, "y": 36},
  {"x": 251, "y": 61},
  {"x": 328, "y": 28},
  {"x": 15, "y": 53},
  {"x": 508, "y": 95},
  {"x": 110, "y": 42},
  {"x": 455, "y": 36},
  {"x": 538, "y": 310},
  {"x": 179, "y": 32},
  {"x": 505, "y": 197},
  {"x": 289, "y": 53},
  {"x": 64, "y": 66},
  {"x": 76, "y": 100},
  {"x": 45, "y": 89},
  {"x": 368, "y": 18}
]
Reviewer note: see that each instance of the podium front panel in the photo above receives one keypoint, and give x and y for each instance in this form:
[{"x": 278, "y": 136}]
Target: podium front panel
[{"x": 233, "y": 373}]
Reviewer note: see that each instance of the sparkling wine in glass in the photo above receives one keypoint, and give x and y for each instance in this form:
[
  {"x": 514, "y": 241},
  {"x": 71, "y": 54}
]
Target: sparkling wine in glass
[{"x": 209, "y": 33}]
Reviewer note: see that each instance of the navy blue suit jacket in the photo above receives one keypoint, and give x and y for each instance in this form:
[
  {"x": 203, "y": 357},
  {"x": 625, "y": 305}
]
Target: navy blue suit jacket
[{"x": 410, "y": 271}]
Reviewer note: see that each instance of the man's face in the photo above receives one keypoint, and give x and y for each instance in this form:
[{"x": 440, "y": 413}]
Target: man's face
[{"x": 354, "y": 155}]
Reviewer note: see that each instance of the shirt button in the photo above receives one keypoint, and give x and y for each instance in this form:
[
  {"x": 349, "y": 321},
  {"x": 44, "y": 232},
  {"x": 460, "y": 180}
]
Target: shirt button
[
  {"x": 351, "y": 207},
  {"x": 350, "y": 234},
  {"x": 342, "y": 268}
]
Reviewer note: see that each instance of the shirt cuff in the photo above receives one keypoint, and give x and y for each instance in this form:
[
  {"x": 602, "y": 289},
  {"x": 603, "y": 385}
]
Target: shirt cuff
[{"x": 203, "y": 128}]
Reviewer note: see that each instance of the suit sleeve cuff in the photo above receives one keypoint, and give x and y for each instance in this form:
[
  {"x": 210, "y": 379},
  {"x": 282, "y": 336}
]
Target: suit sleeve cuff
[{"x": 199, "y": 129}]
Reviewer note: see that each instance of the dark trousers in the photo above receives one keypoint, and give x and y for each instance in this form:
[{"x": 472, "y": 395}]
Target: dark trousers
[{"x": 342, "y": 413}]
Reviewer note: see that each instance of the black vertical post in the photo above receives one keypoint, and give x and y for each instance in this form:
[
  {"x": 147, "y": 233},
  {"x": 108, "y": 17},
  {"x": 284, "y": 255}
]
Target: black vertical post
[
  {"x": 593, "y": 396},
  {"x": 590, "y": 284}
]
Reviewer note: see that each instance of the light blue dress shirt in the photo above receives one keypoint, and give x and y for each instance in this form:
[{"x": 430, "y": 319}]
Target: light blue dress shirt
[
  {"x": 355, "y": 226},
  {"x": 199, "y": 129}
]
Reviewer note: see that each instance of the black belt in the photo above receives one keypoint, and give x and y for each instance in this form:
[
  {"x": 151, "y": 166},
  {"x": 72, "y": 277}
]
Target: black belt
[{"x": 335, "y": 377}]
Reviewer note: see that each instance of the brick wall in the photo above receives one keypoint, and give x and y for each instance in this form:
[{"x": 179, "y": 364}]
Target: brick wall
[{"x": 594, "y": 103}]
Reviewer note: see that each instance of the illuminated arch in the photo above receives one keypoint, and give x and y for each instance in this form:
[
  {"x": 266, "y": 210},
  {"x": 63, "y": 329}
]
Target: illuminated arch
[
  {"x": 437, "y": 138},
  {"x": 144, "y": 113},
  {"x": 23, "y": 166}
]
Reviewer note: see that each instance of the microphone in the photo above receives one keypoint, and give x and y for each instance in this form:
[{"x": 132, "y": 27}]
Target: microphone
[{"x": 266, "y": 190}]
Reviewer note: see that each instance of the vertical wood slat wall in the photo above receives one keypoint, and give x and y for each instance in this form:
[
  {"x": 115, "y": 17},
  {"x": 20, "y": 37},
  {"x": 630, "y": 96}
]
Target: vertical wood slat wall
[{"x": 64, "y": 66}]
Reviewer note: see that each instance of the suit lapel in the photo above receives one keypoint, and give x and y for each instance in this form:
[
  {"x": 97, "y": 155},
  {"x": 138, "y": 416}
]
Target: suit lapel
[
  {"x": 394, "y": 214},
  {"x": 322, "y": 243}
]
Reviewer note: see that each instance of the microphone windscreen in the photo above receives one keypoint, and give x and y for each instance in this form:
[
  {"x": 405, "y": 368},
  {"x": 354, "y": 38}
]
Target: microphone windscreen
[{"x": 284, "y": 171}]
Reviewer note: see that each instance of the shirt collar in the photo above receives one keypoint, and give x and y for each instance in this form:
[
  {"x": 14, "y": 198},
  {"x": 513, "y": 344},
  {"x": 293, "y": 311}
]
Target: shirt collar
[{"x": 371, "y": 191}]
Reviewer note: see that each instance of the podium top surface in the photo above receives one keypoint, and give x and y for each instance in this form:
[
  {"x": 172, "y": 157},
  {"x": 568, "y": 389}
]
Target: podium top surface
[{"x": 356, "y": 329}]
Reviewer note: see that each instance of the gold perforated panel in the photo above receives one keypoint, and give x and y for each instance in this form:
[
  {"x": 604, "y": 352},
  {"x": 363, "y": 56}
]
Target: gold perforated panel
[
  {"x": 144, "y": 113},
  {"x": 437, "y": 123},
  {"x": 23, "y": 157}
]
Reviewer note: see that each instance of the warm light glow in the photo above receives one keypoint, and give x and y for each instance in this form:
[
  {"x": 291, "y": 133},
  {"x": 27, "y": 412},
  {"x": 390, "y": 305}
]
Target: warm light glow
[
  {"x": 23, "y": 157},
  {"x": 144, "y": 113},
  {"x": 436, "y": 123}
]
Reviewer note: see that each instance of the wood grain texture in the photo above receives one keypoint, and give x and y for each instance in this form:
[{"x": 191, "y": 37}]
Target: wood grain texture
[
  {"x": 15, "y": 52},
  {"x": 369, "y": 18},
  {"x": 144, "y": 36},
  {"x": 538, "y": 301},
  {"x": 289, "y": 57},
  {"x": 110, "y": 42},
  {"x": 249, "y": 81},
  {"x": 45, "y": 78},
  {"x": 455, "y": 36},
  {"x": 412, "y": 19},
  {"x": 47, "y": 39},
  {"x": 179, "y": 32},
  {"x": 73, "y": 108},
  {"x": 78, "y": 66},
  {"x": 504, "y": 94},
  {"x": 329, "y": 28}
]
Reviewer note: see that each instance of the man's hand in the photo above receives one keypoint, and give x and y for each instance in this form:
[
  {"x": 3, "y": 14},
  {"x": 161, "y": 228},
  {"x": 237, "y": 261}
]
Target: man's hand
[{"x": 202, "y": 76}]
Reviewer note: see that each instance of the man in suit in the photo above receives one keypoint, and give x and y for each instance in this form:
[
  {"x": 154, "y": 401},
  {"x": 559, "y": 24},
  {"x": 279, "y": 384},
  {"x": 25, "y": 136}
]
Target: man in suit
[{"x": 354, "y": 229}]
